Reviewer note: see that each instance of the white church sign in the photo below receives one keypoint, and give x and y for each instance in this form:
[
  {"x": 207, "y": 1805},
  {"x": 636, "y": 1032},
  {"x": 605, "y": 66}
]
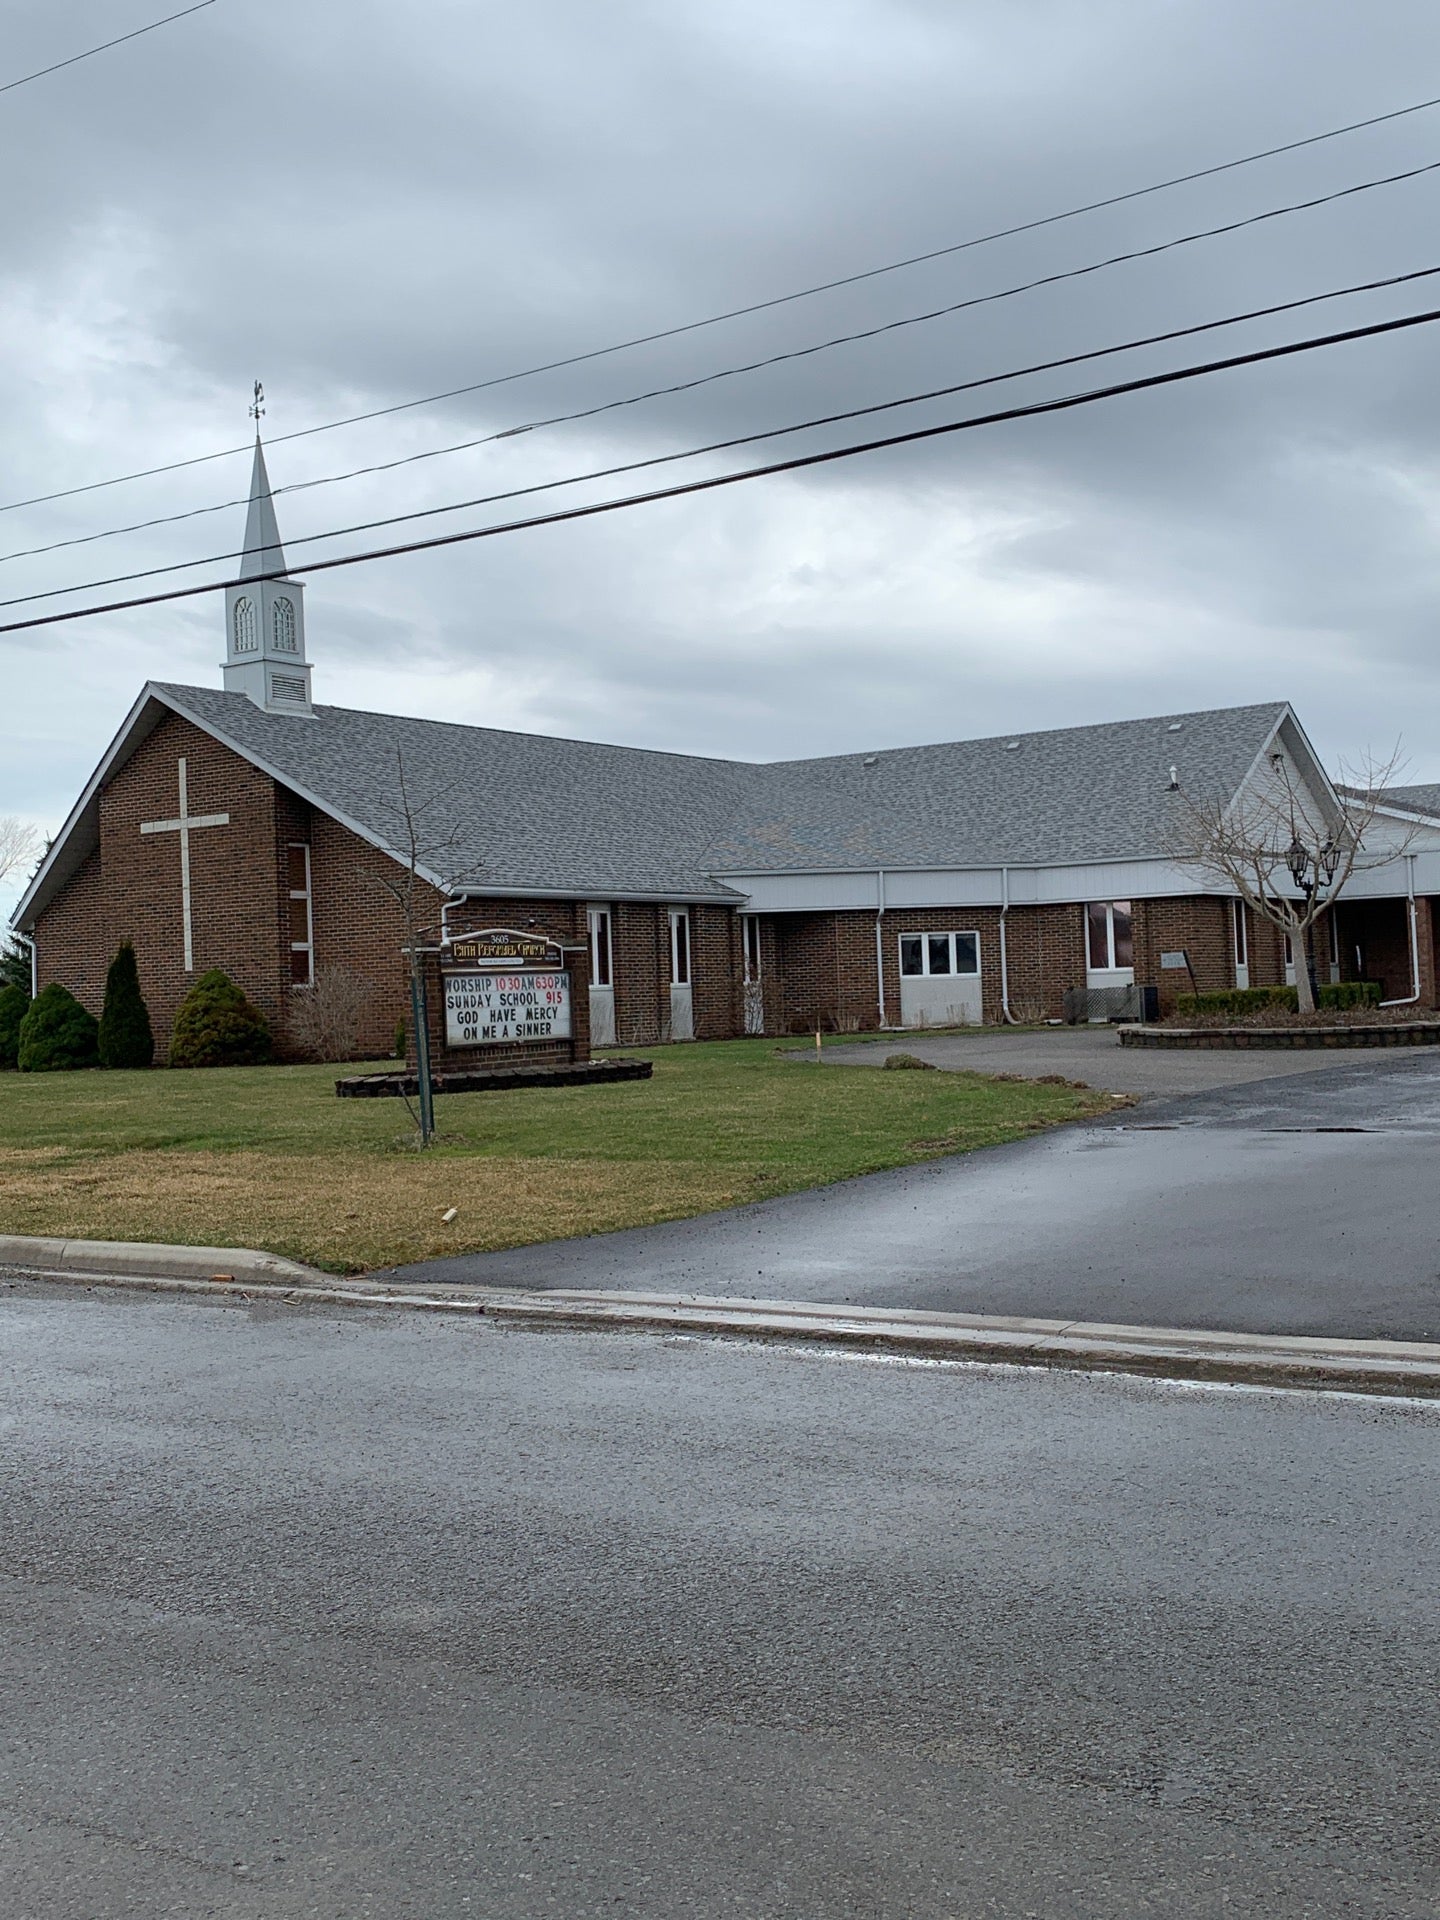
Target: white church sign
[{"x": 485, "y": 1009}]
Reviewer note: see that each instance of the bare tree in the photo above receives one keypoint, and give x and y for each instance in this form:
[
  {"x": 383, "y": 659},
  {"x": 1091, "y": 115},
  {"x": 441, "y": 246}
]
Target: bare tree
[
  {"x": 425, "y": 856},
  {"x": 1287, "y": 852},
  {"x": 19, "y": 843},
  {"x": 325, "y": 1018}
]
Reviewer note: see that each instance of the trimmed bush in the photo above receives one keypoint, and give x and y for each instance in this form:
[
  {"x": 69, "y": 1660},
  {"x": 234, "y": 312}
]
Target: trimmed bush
[
  {"x": 1243, "y": 1000},
  {"x": 1349, "y": 993},
  {"x": 125, "y": 1038},
  {"x": 1237, "y": 1000},
  {"x": 14, "y": 1005},
  {"x": 217, "y": 1026},
  {"x": 912, "y": 1063},
  {"x": 56, "y": 1033}
]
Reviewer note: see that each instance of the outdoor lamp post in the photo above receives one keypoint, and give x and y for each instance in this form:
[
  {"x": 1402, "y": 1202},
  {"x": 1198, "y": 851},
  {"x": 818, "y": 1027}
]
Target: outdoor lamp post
[{"x": 1309, "y": 874}]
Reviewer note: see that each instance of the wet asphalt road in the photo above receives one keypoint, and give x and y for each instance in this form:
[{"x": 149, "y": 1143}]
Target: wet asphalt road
[
  {"x": 1304, "y": 1203},
  {"x": 306, "y": 1615}
]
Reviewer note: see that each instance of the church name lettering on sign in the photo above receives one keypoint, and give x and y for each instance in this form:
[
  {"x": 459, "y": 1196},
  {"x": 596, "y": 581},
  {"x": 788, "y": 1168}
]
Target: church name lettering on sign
[
  {"x": 492, "y": 1009},
  {"x": 499, "y": 948}
]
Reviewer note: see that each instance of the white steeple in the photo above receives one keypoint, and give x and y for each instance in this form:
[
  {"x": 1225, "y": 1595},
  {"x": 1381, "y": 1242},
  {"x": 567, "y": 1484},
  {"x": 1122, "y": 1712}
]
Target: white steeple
[{"x": 265, "y": 609}]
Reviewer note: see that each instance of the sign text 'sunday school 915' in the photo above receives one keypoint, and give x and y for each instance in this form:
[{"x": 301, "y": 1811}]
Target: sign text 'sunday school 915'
[{"x": 489, "y": 1009}]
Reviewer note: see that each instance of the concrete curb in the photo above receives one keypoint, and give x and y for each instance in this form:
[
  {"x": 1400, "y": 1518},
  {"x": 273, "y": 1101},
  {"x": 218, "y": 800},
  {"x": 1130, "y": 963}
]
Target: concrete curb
[
  {"x": 145, "y": 1261},
  {"x": 1385, "y": 1367}
]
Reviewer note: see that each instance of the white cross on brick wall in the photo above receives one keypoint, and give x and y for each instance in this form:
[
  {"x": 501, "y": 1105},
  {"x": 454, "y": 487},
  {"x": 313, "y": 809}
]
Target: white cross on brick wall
[{"x": 184, "y": 826}]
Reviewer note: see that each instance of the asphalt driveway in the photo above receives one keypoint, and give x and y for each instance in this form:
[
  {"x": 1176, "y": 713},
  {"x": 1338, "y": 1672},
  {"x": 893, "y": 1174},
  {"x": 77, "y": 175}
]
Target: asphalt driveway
[{"x": 1302, "y": 1202}]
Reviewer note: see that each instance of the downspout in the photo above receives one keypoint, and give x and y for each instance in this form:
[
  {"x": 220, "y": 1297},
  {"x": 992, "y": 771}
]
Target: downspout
[
  {"x": 880, "y": 943},
  {"x": 1410, "y": 998},
  {"x": 1009, "y": 1017}
]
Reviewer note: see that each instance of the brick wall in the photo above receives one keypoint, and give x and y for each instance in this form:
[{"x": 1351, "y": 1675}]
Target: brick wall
[{"x": 71, "y": 937}]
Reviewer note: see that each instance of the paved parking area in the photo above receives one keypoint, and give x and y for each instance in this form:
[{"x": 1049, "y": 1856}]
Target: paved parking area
[
  {"x": 1091, "y": 1054},
  {"x": 1305, "y": 1203}
]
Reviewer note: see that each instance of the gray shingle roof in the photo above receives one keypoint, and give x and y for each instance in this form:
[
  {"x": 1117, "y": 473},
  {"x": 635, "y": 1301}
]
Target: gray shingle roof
[
  {"x": 579, "y": 817},
  {"x": 527, "y": 811},
  {"x": 1421, "y": 799},
  {"x": 1029, "y": 799}
]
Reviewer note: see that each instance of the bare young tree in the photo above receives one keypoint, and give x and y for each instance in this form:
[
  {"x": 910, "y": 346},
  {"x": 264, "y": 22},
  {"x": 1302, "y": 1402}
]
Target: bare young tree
[
  {"x": 325, "y": 1019},
  {"x": 427, "y": 849},
  {"x": 19, "y": 843},
  {"x": 1287, "y": 852}
]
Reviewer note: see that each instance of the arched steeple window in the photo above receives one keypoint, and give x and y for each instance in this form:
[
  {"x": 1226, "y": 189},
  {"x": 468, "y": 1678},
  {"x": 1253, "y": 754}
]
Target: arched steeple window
[
  {"x": 246, "y": 634},
  {"x": 284, "y": 624}
]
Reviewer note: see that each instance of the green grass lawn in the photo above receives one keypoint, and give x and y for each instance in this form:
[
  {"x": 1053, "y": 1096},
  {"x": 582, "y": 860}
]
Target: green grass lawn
[{"x": 268, "y": 1157}]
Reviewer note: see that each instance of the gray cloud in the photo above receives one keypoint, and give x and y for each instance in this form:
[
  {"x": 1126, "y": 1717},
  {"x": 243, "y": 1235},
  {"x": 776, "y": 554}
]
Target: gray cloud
[{"x": 363, "y": 205}]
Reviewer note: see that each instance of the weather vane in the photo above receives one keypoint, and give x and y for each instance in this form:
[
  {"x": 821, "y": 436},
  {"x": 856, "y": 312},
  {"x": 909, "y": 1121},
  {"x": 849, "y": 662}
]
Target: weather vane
[{"x": 257, "y": 405}]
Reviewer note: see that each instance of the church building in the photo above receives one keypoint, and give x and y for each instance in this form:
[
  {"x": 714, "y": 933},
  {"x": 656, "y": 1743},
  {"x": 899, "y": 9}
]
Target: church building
[{"x": 666, "y": 896}]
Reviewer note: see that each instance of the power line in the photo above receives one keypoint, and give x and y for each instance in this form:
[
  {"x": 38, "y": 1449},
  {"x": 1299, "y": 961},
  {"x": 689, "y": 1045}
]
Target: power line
[
  {"x": 758, "y": 306},
  {"x": 751, "y": 366},
  {"x": 795, "y": 463},
  {"x": 104, "y": 47},
  {"x": 744, "y": 439}
]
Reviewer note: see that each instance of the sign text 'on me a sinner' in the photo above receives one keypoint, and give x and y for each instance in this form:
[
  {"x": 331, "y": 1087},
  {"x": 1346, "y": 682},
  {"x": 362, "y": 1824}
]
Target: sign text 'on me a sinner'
[{"x": 493, "y": 1009}]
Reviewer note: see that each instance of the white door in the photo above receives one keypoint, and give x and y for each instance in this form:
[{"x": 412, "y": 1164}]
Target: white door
[
  {"x": 940, "y": 980},
  {"x": 682, "y": 1010},
  {"x": 602, "y": 979},
  {"x": 754, "y": 990}
]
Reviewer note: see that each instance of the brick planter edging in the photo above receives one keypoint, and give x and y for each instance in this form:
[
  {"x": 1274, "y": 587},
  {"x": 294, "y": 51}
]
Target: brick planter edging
[
  {"x": 1408, "y": 1033},
  {"x": 371, "y": 1086}
]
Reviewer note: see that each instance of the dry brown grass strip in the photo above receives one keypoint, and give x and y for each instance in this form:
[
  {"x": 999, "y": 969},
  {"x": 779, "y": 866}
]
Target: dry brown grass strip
[{"x": 348, "y": 1212}]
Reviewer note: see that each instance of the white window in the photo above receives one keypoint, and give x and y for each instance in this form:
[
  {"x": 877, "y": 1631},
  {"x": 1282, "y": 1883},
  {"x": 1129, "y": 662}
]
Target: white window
[
  {"x": 602, "y": 956},
  {"x": 679, "y": 947},
  {"x": 301, "y": 917},
  {"x": 1333, "y": 923},
  {"x": 931, "y": 954},
  {"x": 246, "y": 632},
  {"x": 1110, "y": 936},
  {"x": 750, "y": 924},
  {"x": 284, "y": 622},
  {"x": 1242, "y": 940}
]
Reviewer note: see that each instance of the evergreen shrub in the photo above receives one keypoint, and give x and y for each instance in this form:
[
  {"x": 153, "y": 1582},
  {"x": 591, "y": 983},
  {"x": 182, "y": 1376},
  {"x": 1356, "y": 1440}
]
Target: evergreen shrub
[
  {"x": 125, "y": 1036},
  {"x": 14, "y": 1005},
  {"x": 1242, "y": 1000},
  {"x": 217, "y": 1026},
  {"x": 15, "y": 964},
  {"x": 1350, "y": 993},
  {"x": 56, "y": 1033},
  {"x": 1237, "y": 1000}
]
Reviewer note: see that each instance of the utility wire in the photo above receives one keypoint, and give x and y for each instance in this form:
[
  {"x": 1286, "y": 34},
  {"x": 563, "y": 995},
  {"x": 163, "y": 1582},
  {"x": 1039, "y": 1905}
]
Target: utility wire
[
  {"x": 795, "y": 463},
  {"x": 104, "y": 47},
  {"x": 743, "y": 439},
  {"x": 752, "y": 366},
  {"x": 758, "y": 306}
]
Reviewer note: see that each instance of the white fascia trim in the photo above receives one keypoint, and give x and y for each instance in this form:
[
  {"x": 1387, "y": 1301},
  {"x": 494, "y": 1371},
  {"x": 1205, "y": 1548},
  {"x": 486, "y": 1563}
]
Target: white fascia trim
[
  {"x": 77, "y": 813},
  {"x": 592, "y": 897},
  {"x": 984, "y": 866}
]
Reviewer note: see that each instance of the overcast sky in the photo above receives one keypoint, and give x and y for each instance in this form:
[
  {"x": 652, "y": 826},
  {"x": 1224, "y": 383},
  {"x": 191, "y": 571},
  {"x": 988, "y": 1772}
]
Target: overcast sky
[{"x": 363, "y": 204}]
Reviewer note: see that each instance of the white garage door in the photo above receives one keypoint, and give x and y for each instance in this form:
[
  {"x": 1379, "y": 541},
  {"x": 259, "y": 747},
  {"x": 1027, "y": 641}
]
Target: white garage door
[{"x": 940, "y": 980}]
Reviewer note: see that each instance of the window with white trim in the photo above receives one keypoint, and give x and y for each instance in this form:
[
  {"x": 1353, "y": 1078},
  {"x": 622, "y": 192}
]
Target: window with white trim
[
  {"x": 679, "y": 947},
  {"x": 1242, "y": 933},
  {"x": 301, "y": 916},
  {"x": 1110, "y": 935},
  {"x": 927, "y": 955},
  {"x": 602, "y": 954}
]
